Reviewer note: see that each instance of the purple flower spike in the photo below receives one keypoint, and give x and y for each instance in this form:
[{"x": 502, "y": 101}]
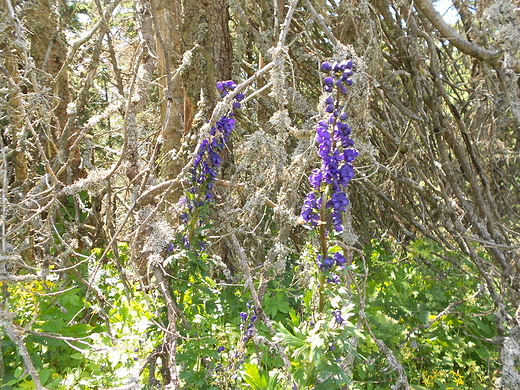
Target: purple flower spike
[
  {"x": 335, "y": 149},
  {"x": 208, "y": 159}
]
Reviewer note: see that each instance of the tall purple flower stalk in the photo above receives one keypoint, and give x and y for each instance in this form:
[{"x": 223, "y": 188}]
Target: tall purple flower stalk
[
  {"x": 336, "y": 151},
  {"x": 324, "y": 205},
  {"x": 207, "y": 161}
]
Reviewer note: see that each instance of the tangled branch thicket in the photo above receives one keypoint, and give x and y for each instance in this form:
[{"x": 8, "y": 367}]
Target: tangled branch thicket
[{"x": 102, "y": 106}]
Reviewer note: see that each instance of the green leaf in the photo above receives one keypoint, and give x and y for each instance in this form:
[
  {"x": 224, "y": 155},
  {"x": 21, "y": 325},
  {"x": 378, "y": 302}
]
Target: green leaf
[
  {"x": 44, "y": 375},
  {"x": 273, "y": 381},
  {"x": 295, "y": 319},
  {"x": 18, "y": 372},
  {"x": 254, "y": 378},
  {"x": 307, "y": 299}
]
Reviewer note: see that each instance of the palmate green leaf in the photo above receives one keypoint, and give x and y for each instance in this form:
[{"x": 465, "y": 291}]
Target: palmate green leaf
[
  {"x": 254, "y": 378},
  {"x": 298, "y": 341},
  {"x": 315, "y": 342},
  {"x": 288, "y": 338}
]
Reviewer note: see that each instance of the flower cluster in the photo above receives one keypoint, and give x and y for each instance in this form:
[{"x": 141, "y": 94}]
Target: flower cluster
[
  {"x": 327, "y": 263},
  {"x": 336, "y": 151},
  {"x": 208, "y": 159},
  {"x": 247, "y": 327},
  {"x": 226, "y": 87},
  {"x": 337, "y": 316},
  {"x": 237, "y": 355}
]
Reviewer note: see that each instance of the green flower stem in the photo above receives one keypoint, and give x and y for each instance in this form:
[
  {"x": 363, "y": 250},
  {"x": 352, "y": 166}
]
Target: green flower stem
[
  {"x": 323, "y": 222},
  {"x": 193, "y": 222},
  {"x": 323, "y": 245}
]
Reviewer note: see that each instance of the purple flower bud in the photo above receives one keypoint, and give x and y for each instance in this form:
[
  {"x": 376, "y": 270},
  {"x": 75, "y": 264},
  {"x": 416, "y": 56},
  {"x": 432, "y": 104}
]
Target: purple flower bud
[
  {"x": 336, "y": 221},
  {"x": 346, "y": 173},
  {"x": 340, "y": 259},
  {"x": 243, "y": 316},
  {"x": 315, "y": 178},
  {"x": 328, "y": 262},
  {"x": 348, "y": 73},
  {"x": 334, "y": 279},
  {"x": 326, "y": 66},
  {"x": 337, "y": 316},
  {"x": 231, "y": 85},
  {"x": 350, "y": 154},
  {"x": 329, "y": 100},
  {"x": 220, "y": 349},
  {"x": 338, "y": 201},
  {"x": 343, "y": 65},
  {"x": 328, "y": 81}
]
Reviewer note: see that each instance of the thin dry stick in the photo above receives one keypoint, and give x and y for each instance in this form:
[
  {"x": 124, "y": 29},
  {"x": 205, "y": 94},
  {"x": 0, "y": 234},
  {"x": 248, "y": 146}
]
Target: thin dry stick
[
  {"x": 15, "y": 334},
  {"x": 470, "y": 48},
  {"x": 249, "y": 283}
]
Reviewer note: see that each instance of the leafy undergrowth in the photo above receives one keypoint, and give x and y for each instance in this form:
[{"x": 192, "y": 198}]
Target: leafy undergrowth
[{"x": 77, "y": 344}]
